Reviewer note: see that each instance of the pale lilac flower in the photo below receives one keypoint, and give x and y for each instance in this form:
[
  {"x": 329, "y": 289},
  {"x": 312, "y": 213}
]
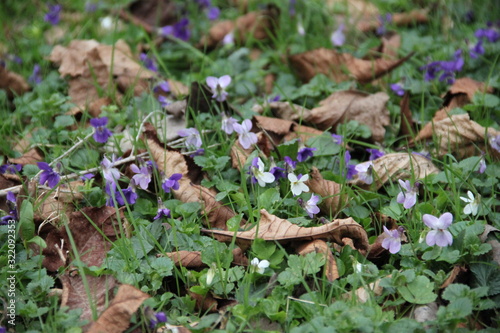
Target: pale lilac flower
[
  {"x": 193, "y": 138},
  {"x": 393, "y": 240},
  {"x": 290, "y": 164},
  {"x": 218, "y": 86},
  {"x": 338, "y": 37},
  {"x": 351, "y": 169},
  {"x": 258, "y": 174},
  {"x": 245, "y": 137},
  {"x": 213, "y": 13},
  {"x": 36, "y": 76},
  {"x": 300, "y": 29},
  {"x": 228, "y": 38},
  {"x": 439, "y": 235},
  {"x": 365, "y": 172},
  {"x": 472, "y": 203},
  {"x": 259, "y": 266},
  {"x": 397, "y": 89},
  {"x": 49, "y": 176},
  {"x": 171, "y": 183},
  {"x": 408, "y": 195},
  {"x": 91, "y": 6},
  {"x": 310, "y": 206},
  {"x": 102, "y": 133},
  {"x": 482, "y": 165},
  {"x": 163, "y": 86},
  {"x": 495, "y": 142},
  {"x": 110, "y": 173},
  {"x": 164, "y": 102},
  {"x": 228, "y": 124},
  {"x": 374, "y": 153},
  {"x": 53, "y": 15},
  {"x": 148, "y": 62},
  {"x": 383, "y": 21},
  {"x": 297, "y": 185},
  {"x": 142, "y": 176},
  {"x": 305, "y": 153},
  {"x": 338, "y": 139}
]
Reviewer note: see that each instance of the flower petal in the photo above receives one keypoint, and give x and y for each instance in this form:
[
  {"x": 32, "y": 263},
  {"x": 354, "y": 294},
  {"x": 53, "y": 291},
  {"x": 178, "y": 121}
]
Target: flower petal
[
  {"x": 212, "y": 82},
  {"x": 430, "y": 220},
  {"x": 224, "y": 81}
]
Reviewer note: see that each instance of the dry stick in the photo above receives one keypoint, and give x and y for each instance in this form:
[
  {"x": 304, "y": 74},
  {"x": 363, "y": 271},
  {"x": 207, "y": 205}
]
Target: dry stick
[{"x": 16, "y": 189}]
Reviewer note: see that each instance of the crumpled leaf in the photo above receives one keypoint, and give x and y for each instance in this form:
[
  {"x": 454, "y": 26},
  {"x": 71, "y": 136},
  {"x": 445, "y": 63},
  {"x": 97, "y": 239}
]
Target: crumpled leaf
[
  {"x": 151, "y": 13},
  {"x": 32, "y": 156},
  {"x": 400, "y": 166},
  {"x": 340, "y": 66},
  {"x": 342, "y": 106},
  {"x": 192, "y": 259},
  {"x": 372, "y": 22},
  {"x": 170, "y": 162},
  {"x": 332, "y": 201},
  {"x": 493, "y": 241},
  {"x": 455, "y": 272},
  {"x": 13, "y": 83},
  {"x": 273, "y": 228},
  {"x": 320, "y": 246},
  {"x": 460, "y": 135},
  {"x": 116, "y": 318},
  {"x": 204, "y": 303}
]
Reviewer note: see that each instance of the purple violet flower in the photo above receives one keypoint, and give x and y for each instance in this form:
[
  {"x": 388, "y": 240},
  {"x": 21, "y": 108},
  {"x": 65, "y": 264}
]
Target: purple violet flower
[
  {"x": 383, "y": 21},
  {"x": 171, "y": 183},
  {"x": 276, "y": 98},
  {"x": 277, "y": 172},
  {"x": 408, "y": 195},
  {"x": 164, "y": 102},
  {"x": 338, "y": 139},
  {"x": 10, "y": 168},
  {"x": 310, "y": 206},
  {"x": 213, "y": 13},
  {"x": 365, "y": 172},
  {"x": 12, "y": 204},
  {"x": 491, "y": 34},
  {"x": 438, "y": 235},
  {"x": 245, "y": 137},
  {"x": 374, "y": 153},
  {"x": 36, "y": 76},
  {"x": 148, "y": 62},
  {"x": 179, "y": 30},
  {"x": 53, "y": 15},
  {"x": 102, "y": 133},
  {"x": 495, "y": 142},
  {"x": 477, "y": 50},
  {"x": 160, "y": 317},
  {"x": 228, "y": 124},
  {"x": 110, "y": 173},
  {"x": 482, "y": 165},
  {"x": 351, "y": 169},
  {"x": 163, "y": 86},
  {"x": 397, "y": 89},
  {"x": 91, "y": 7},
  {"x": 87, "y": 176},
  {"x": 162, "y": 211},
  {"x": 393, "y": 240},
  {"x": 258, "y": 174},
  {"x": 129, "y": 194},
  {"x": 142, "y": 176},
  {"x": 305, "y": 153},
  {"x": 291, "y": 7},
  {"x": 218, "y": 86},
  {"x": 193, "y": 138},
  {"x": 338, "y": 37},
  {"x": 290, "y": 164},
  {"x": 48, "y": 175}
]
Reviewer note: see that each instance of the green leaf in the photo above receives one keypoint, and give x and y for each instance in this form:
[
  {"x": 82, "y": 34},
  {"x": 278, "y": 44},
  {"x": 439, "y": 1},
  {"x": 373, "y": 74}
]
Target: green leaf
[
  {"x": 63, "y": 121},
  {"x": 26, "y": 223},
  {"x": 233, "y": 224},
  {"x": 30, "y": 170},
  {"x": 163, "y": 266},
  {"x": 38, "y": 241},
  {"x": 459, "y": 308},
  {"x": 263, "y": 249},
  {"x": 324, "y": 145},
  {"x": 487, "y": 275},
  {"x": 455, "y": 291},
  {"x": 84, "y": 159},
  {"x": 419, "y": 291},
  {"x": 269, "y": 198}
]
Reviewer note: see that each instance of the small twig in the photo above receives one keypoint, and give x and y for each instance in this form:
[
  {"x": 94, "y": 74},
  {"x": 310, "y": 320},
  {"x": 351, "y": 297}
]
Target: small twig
[
  {"x": 139, "y": 132},
  {"x": 16, "y": 189}
]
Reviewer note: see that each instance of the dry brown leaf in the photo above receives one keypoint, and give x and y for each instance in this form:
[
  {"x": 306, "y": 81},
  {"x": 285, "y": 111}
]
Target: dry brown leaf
[
  {"x": 320, "y": 246},
  {"x": 13, "y": 83},
  {"x": 372, "y": 22},
  {"x": 116, "y": 318},
  {"x": 152, "y": 13},
  {"x": 460, "y": 135},
  {"x": 455, "y": 272},
  {"x": 363, "y": 294},
  {"x": 302, "y": 132},
  {"x": 204, "y": 303},
  {"x": 283, "y": 110},
  {"x": 342, "y": 106},
  {"x": 278, "y": 126},
  {"x": 239, "y": 155},
  {"x": 356, "y": 9},
  {"x": 340, "y": 66},
  {"x": 216, "y": 214},
  {"x": 391, "y": 42},
  {"x": 400, "y": 166},
  {"x": 216, "y": 34},
  {"x": 192, "y": 259},
  {"x": 330, "y": 191},
  {"x": 407, "y": 127},
  {"x": 177, "y": 88},
  {"x": 33, "y": 156},
  {"x": 273, "y": 228}
]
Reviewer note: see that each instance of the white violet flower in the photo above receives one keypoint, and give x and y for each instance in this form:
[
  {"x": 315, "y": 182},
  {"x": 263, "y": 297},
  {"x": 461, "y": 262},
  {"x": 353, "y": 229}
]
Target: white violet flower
[
  {"x": 297, "y": 183},
  {"x": 472, "y": 203},
  {"x": 259, "y": 266}
]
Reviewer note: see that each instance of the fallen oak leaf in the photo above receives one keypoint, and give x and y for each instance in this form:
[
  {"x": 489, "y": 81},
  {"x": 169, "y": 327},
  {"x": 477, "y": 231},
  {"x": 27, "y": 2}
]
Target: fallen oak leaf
[
  {"x": 116, "y": 318},
  {"x": 273, "y": 228},
  {"x": 332, "y": 200},
  {"x": 320, "y": 246},
  {"x": 340, "y": 66}
]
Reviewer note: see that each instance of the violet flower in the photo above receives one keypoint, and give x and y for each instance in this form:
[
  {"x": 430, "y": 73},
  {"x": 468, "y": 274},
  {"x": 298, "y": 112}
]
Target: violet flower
[
  {"x": 164, "y": 102},
  {"x": 87, "y": 176},
  {"x": 171, "y": 183},
  {"x": 297, "y": 185},
  {"x": 48, "y": 175},
  {"x": 300, "y": 29},
  {"x": 53, "y": 15},
  {"x": 408, "y": 195},
  {"x": 228, "y": 38},
  {"x": 374, "y": 153},
  {"x": 338, "y": 37},
  {"x": 491, "y": 34},
  {"x": 365, "y": 172},
  {"x": 91, "y": 7},
  {"x": 110, "y": 173},
  {"x": 36, "y": 76},
  {"x": 291, "y": 7},
  {"x": 290, "y": 164},
  {"x": 305, "y": 153},
  {"x": 338, "y": 139},
  {"x": 258, "y": 174},
  {"x": 10, "y": 168},
  {"x": 495, "y": 142},
  {"x": 102, "y": 133},
  {"x": 477, "y": 50},
  {"x": 148, "y": 62},
  {"x": 245, "y": 137},
  {"x": 163, "y": 86},
  {"x": 160, "y": 317},
  {"x": 129, "y": 195},
  {"x": 259, "y": 266},
  {"x": 383, "y": 21},
  {"x": 351, "y": 169},
  {"x": 193, "y": 138},
  {"x": 218, "y": 86},
  {"x": 142, "y": 176},
  {"x": 228, "y": 124},
  {"x": 213, "y": 13},
  {"x": 397, "y": 89},
  {"x": 277, "y": 172},
  {"x": 12, "y": 204},
  {"x": 162, "y": 211},
  {"x": 310, "y": 206},
  {"x": 393, "y": 240},
  {"x": 438, "y": 235},
  {"x": 472, "y": 206},
  {"x": 482, "y": 165},
  {"x": 179, "y": 30}
]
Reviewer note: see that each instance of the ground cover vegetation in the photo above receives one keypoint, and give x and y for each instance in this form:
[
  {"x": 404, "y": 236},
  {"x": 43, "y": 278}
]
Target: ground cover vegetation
[{"x": 249, "y": 166}]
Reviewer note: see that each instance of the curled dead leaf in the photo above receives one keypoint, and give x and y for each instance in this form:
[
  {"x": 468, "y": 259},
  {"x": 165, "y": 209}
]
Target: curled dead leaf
[
  {"x": 320, "y": 246},
  {"x": 116, "y": 318},
  {"x": 273, "y": 228},
  {"x": 204, "y": 303},
  {"x": 455, "y": 272},
  {"x": 330, "y": 191},
  {"x": 239, "y": 155},
  {"x": 192, "y": 259},
  {"x": 32, "y": 156},
  {"x": 372, "y": 22},
  {"x": 340, "y": 66},
  {"x": 13, "y": 83},
  {"x": 342, "y": 106},
  {"x": 216, "y": 34}
]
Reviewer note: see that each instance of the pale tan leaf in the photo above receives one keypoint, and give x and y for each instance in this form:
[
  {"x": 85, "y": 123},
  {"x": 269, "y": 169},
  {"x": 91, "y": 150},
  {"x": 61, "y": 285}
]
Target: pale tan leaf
[
  {"x": 302, "y": 132},
  {"x": 13, "y": 83},
  {"x": 320, "y": 246},
  {"x": 283, "y": 110},
  {"x": 330, "y": 191},
  {"x": 116, "y": 318},
  {"x": 32, "y": 156},
  {"x": 343, "y": 106},
  {"x": 192, "y": 259},
  {"x": 455, "y": 272},
  {"x": 340, "y": 66},
  {"x": 273, "y": 228},
  {"x": 372, "y": 22},
  {"x": 239, "y": 155}
]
